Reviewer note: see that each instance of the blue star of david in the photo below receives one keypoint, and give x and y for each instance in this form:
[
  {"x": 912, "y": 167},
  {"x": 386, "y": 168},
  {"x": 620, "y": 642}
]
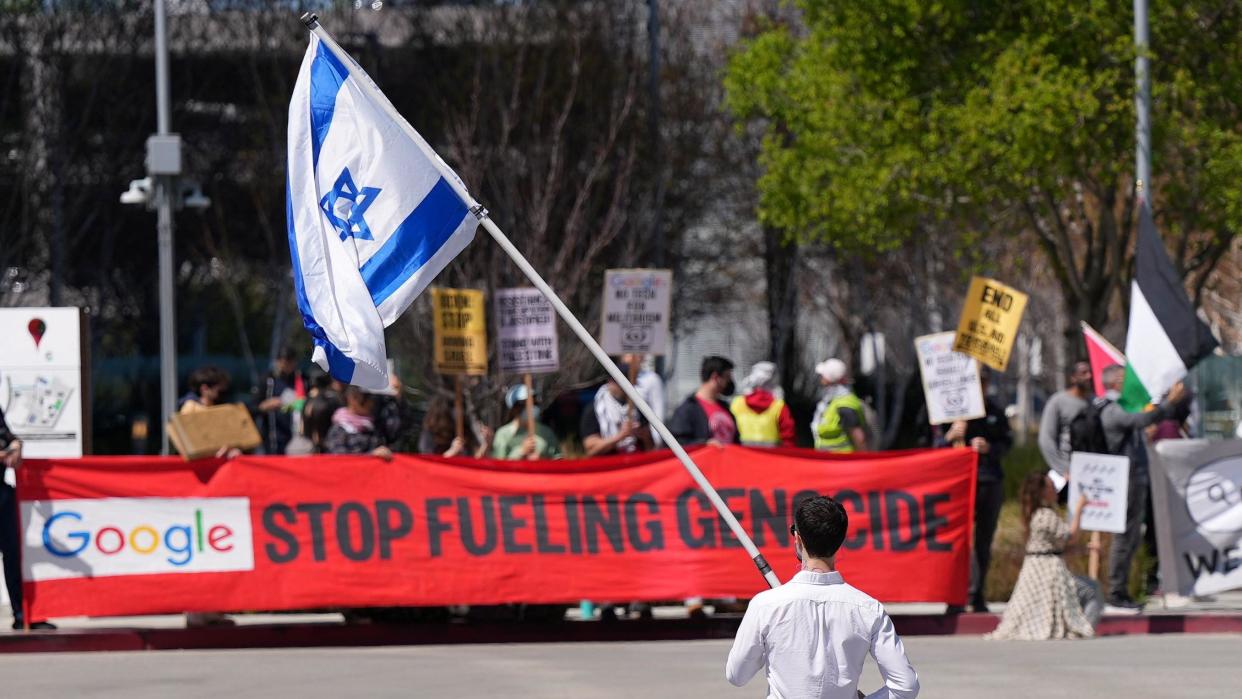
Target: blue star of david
[{"x": 345, "y": 205}]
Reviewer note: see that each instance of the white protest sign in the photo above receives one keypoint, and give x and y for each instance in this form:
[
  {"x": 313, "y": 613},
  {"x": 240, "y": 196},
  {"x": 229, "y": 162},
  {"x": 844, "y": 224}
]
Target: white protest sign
[
  {"x": 1105, "y": 480},
  {"x": 636, "y": 308},
  {"x": 525, "y": 332},
  {"x": 41, "y": 379},
  {"x": 950, "y": 380}
]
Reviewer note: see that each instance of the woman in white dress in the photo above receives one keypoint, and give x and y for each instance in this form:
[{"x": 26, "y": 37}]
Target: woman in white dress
[{"x": 1047, "y": 601}]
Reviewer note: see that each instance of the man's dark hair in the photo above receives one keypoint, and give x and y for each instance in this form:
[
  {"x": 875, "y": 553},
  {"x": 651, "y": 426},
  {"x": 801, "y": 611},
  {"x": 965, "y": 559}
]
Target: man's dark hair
[
  {"x": 210, "y": 375},
  {"x": 822, "y": 523},
  {"x": 714, "y": 364},
  {"x": 288, "y": 354}
]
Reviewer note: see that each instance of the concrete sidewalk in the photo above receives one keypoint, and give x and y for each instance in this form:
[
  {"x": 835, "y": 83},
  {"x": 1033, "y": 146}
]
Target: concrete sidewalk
[{"x": 331, "y": 629}]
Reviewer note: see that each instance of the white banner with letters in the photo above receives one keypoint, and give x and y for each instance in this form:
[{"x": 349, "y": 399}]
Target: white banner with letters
[
  {"x": 525, "y": 332},
  {"x": 636, "y": 309},
  {"x": 950, "y": 380},
  {"x": 1197, "y": 499}
]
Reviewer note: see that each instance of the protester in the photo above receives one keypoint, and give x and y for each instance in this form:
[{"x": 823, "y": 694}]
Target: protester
[
  {"x": 840, "y": 423},
  {"x": 208, "y": 387},
  {"x": 1059, "y": 413},
  {"x": 281, "y": 394},
  {"x": 1048, "y": 602},
  {"x": 322, "y": 402},
  {"x": 394, "y": 416},
  {"x": 353, "y": 427},
  {"x": 10, "y": 537},
  {"x": 606, "y": 426},
  {"x": 513, "y": 441},
  {"x": 650, "y": 387},
  {"x": 703, "y": 417},
  {"x": 439, "y": 433},
  {"x": 1174, "y": 427},
  {"x": 814, "y": 632},
  {"x": 1123, "y": 434},
  {"x": 991, "y": 437},
  {"x": 763, "y": 420}
]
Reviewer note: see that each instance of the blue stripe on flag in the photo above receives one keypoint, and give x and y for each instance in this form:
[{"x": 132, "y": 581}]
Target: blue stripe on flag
[
  {"x": 339, "y": 365},
  {"x": 327, "y": 76},
  {"x": 419, "y": 237}
]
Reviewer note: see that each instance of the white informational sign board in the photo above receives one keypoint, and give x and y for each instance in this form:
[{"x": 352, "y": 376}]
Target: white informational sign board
[
  {"x": 636, "y": 310},
  {"x": 41, "y": 379},
  {"x": 950, "y": 380},
  {"x": 525, "y": 332},
  {"x": 1105, "y": 479}
]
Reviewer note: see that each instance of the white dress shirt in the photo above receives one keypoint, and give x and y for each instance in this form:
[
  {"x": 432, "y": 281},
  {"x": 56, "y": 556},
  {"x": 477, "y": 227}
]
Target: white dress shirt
[{"x": 814, "y": 634}]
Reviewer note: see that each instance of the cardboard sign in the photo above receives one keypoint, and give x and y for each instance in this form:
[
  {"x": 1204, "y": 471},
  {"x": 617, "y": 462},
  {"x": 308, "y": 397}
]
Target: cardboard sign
[
  {"x": 1105, "y": 479},
  {"x": 145, "y": 535},
  {"x": 636, "y": 309},
  {"x": 525, "y": 332},
  {"x": 460, "y": 326},
  {"x": 203, "y": 433},
  {"x": 41, "y": 379},
  {"x": 990, "y": 320},
  {"x": 950, "y": 380}
]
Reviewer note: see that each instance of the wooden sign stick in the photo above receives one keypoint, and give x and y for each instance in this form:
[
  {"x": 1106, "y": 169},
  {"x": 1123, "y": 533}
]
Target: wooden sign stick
[
  {"x": 530, "y": 405},
  {"x": 459, "y": 413},
  {"x": 638, "y": 360}
]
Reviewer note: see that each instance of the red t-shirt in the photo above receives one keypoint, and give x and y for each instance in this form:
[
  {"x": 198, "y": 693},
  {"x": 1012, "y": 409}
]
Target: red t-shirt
[{"x": 719, "y": 421}]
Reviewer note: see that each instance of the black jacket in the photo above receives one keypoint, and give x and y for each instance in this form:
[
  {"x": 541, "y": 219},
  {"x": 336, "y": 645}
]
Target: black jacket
[{"x": 689, "y": 423}]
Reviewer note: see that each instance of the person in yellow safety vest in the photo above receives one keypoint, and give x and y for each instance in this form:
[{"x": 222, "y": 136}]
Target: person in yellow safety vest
[
  {"x": 763, "y": 420},
  {"x": 840, "y": 424}
]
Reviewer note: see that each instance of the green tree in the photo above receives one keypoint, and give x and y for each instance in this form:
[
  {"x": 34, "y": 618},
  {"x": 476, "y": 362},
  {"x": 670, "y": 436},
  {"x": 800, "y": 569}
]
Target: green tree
[{"x": 887, "y": 120}]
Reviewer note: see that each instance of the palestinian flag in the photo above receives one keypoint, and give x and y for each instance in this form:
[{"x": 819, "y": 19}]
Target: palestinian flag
[
  {"x": 1165, "y": 338},
  {"x": 1101, "y": 354}
]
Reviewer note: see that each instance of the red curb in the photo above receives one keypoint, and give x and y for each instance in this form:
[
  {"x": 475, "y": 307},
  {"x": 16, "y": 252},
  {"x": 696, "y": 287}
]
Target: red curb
[{"x": 349, "y": 635}]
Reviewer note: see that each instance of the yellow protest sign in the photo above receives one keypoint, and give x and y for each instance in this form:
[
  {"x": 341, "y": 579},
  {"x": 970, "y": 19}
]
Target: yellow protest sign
[
  {"x": 460, "y": 331},
  {"x": 989, "y": 324}
]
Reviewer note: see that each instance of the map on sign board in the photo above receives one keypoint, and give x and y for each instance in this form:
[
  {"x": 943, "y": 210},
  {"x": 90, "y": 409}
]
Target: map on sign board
[
  {"x": 41, "y": 379},
  {"x": 525, "y": 332},
  {"x": 1104, "y": 479},
  {"x": 950, "y": 380},
  {"x": 636, "y": 311}
]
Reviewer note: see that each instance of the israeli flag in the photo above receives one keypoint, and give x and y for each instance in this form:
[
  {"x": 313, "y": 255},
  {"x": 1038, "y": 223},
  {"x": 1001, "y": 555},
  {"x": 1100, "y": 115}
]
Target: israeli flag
[{"x": 373, "y": 213}]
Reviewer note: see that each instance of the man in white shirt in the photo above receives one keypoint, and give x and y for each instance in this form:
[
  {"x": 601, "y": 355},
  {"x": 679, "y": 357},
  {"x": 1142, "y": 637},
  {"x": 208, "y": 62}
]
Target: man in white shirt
[{"x": 814, "y": 632}]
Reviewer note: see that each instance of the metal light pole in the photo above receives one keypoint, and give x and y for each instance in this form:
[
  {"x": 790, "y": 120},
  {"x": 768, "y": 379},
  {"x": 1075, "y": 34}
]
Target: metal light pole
[
  {"x": 1142, "y": 106},
  {"x": 164, "y": 173}
]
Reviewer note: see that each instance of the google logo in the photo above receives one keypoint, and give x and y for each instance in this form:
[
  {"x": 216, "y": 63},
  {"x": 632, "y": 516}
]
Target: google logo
[{"x": 180, "y": 542}]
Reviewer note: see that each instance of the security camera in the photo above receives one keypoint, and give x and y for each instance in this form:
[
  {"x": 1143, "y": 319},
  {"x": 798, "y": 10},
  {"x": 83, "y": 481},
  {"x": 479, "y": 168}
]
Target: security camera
[{"x": 139, "y": 192}]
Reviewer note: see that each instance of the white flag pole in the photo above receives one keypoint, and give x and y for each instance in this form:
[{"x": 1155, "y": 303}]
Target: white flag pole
[{"x": 312, "y": 23}]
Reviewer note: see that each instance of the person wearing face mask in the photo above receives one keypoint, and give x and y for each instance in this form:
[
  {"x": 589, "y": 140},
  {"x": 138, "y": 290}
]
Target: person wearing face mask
[
  {"x": 703, "y": 417},
  {"x": 814, "y": 633},
  {"x": 840, "y": 424},
  {"x": 1059, "y": 412}
]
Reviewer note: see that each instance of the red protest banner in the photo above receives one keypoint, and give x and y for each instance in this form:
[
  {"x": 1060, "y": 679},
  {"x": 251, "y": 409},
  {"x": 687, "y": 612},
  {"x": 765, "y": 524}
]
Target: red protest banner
[{"x": 136, "y": 535}]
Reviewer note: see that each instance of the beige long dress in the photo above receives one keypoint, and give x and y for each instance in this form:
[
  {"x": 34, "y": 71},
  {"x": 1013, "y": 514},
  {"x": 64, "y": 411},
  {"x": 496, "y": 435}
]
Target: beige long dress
[{"x": 1044, "y": 604}]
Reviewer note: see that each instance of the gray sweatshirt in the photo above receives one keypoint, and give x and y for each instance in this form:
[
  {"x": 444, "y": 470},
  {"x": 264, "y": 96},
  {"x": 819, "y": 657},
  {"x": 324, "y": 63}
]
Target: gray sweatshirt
[
  {"x": 1054, "y": 436},
  {"x": 1123, "y": 431}
]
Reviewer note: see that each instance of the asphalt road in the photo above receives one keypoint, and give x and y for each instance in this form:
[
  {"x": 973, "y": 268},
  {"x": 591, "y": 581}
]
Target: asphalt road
[{"x": 1146, "y": 667}]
